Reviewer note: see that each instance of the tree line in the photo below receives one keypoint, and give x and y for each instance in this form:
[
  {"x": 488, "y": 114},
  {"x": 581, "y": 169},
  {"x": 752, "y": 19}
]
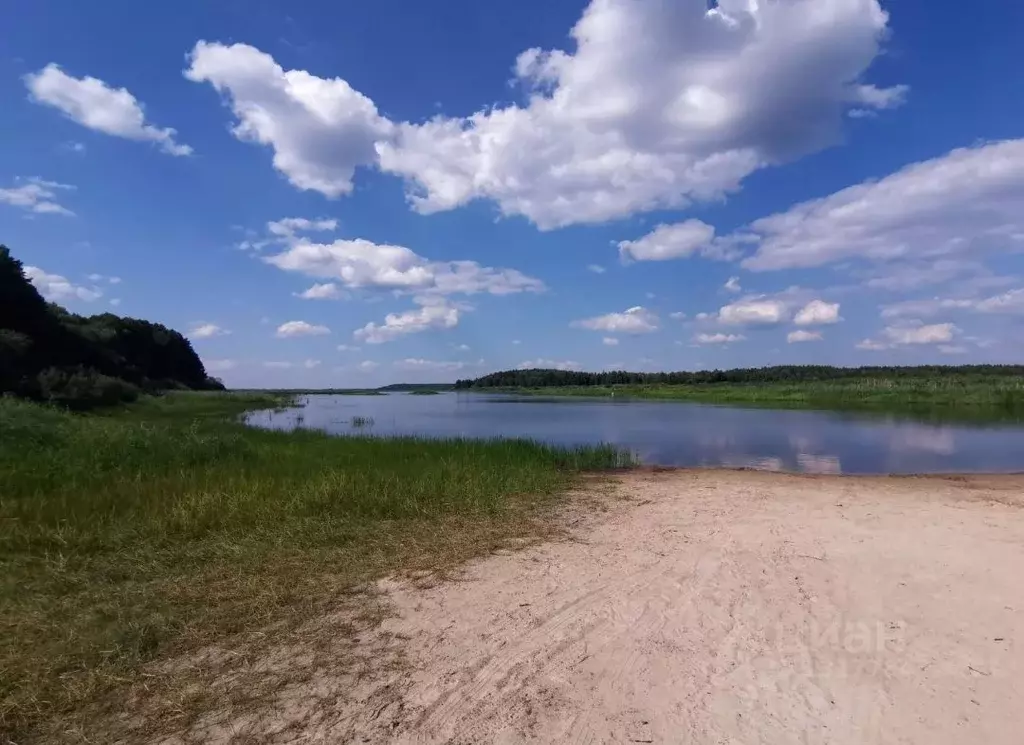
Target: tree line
[
  {"x": 50, "y": 354},
  {"x": 538, "y": 378}
]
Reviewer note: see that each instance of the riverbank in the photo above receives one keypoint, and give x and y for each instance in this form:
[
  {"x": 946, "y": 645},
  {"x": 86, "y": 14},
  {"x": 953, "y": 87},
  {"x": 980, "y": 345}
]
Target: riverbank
[
  {"x": 705, "y": 606},
  {"x": 995, "y": 397},
  {"x": 154, "y": 548}
]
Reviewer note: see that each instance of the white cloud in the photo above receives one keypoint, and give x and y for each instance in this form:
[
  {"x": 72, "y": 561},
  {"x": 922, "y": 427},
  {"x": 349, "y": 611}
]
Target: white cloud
[
  {"x": 360, "y": 263},
  {"x": 543, "y": 364},
  {"x": 668, "y": 242},
  {"x": 636, "y": 320},
  {"x": 207, "y": 331},
  {"x": 320, "y": 129},
  {"x": 516, "y": 342},
  {"x": 115, "y": 301},
  {"x": 434, "y": 315},
  {"x": 677, "y": 315},
  {"x": 278, "y": 365},
  {"x": 59, "y": 289},
  {"x": 347, "y": 348},
  {"x": 368, "y": 366},
  {"x": 216, "y": 366},
  {"x": 1010, "y": 302},
  {"x": 596, "y": 268},
  {"x": 952, "y": 349},
  {"x": 912, "y": 333},
  {"x": 920, "y": 334},
  {"x": 300, "y": 328},
  {"x": 289, "y": 226},
  {"x": 658, "y": 104},
  {"x": 794, "y": 337},
  {"x": 756, "y": 311},
  {"x": 818, "y": 313},
  {"x": 94, "y": 104},
  {"x": 963, "y": 203},
  {"x": 462, "y": 347},
  {"x": 732, "y": 285},
  {"x": 412, "y": 363},
  {"x": 310, "y": 364},
  {"x": 321, "y": 291},
  {"x": 610, "y": 341},
  {"x": 718, "y": 338},
  {"x": 36, "y": 195}
]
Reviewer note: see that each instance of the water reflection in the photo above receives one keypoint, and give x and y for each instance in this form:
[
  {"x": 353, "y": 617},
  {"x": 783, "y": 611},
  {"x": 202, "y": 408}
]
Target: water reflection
[{"x": 673, "y": 433}]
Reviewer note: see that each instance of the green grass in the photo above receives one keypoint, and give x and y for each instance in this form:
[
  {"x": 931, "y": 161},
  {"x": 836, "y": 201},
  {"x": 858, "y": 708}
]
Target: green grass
[
  {"x": 994, "y": 397},
  {"x": 165, "y": 527}
]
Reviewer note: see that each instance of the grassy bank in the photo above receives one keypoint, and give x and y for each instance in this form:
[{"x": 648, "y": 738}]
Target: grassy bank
[
  {"x": 165, "y": 527},
  {"x": 992, "y": 395}
]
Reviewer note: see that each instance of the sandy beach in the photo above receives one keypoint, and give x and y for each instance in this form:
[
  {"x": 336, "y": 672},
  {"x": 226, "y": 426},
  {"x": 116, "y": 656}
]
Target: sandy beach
[{"x": 713, "y": 607}]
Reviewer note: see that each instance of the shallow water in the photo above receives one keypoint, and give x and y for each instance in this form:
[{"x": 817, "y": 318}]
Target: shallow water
[{"x": 676, "y": 433}]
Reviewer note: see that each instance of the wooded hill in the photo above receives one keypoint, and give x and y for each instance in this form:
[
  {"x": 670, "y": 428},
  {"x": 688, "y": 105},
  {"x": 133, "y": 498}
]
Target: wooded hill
[{"x": 50, "y": 354}]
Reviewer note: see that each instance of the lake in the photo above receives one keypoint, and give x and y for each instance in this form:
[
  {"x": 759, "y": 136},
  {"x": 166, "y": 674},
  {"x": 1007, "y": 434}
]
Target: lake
[{"x": 677, "y": 433}]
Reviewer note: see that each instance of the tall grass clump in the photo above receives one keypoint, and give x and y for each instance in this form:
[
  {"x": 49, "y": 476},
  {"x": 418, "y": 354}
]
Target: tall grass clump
[{"x": 164, "y": 527}]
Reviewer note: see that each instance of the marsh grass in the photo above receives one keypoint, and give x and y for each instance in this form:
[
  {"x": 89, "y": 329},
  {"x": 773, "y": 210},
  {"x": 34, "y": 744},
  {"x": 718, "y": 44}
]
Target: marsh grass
[
  {"x": 156, "y": 531},
  {"x": 952, "y": 396}
]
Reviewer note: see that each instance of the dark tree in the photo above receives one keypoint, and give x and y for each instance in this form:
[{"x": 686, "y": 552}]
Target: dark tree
[{"x": 50, "y": 354}]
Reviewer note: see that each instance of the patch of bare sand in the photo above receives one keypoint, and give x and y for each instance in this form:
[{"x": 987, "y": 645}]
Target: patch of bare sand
[{"x": 718, "y": 607}]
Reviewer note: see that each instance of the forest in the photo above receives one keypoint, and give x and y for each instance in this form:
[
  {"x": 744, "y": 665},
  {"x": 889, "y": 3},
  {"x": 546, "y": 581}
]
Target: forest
[
  {"x": 49, "y": 354},
  {"x": 777, "y": 374}
]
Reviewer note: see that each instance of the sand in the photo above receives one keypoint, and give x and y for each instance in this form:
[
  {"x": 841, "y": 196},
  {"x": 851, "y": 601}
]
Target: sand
[{"x": 720, "y": 607}]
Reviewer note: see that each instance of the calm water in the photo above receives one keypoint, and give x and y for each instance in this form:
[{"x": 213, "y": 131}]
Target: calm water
[{"x": 677, "y": 434}]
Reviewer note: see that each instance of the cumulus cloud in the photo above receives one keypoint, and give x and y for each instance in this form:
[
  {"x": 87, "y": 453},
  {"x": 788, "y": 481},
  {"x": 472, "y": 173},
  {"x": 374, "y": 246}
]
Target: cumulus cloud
[
  {"x": 543, "y": 364},
  {"x": 320, "y": 130},
  {"x": 207, "y": 331},
  {"x": 96, "y": 105},
  {"x": 817, "y": 313},
  {"x": 1010, "y": 302},
  {"x": 659, "y": 103},
  {"x": 359, "y": 263},
  {"x": 36, "y": 195},
  {"x": 434, "y": 315},
  {"x": 367, "y": 366},
  {"x": 717, "y": 338},
  {"x": 59, "y": 289},
  {"x": 911, "y": 333},
  {"x": 596, "y": 268},
  {"x": 300, "y": 328},
  {"x": 668, "y": 242},
  {"x": 610, "y": 341},
  {"x": 756, "y": 311},
  {"x": 959, "y": 205},
  {"x": 289, "y": 226},
  {"x": 795, "y": 337},
  {"x": 321, "y": 291},
  {"x": 637, "y": 320},
  {"x": 732, "y": 285}
]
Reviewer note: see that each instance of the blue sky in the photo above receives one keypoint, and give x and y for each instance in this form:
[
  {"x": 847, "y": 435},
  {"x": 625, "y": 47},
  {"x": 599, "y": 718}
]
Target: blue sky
[{"x": 360, "y": 193}]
